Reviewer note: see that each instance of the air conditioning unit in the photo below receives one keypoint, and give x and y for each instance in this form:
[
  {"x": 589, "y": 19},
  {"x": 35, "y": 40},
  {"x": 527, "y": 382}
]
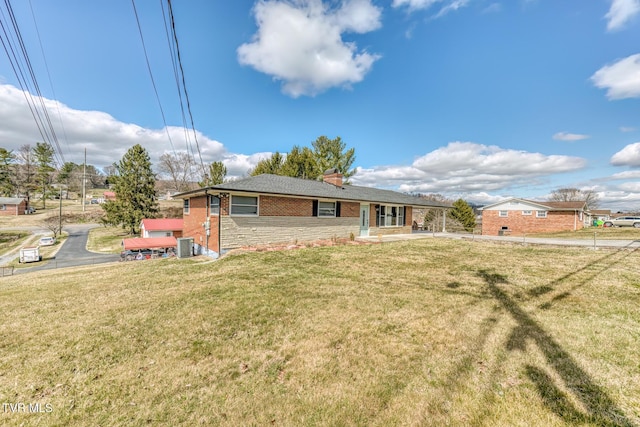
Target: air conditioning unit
[{"x": 185, "y": 247}]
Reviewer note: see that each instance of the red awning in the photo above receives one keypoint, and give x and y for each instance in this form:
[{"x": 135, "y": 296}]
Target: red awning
[{"x": 149, "y": 243}]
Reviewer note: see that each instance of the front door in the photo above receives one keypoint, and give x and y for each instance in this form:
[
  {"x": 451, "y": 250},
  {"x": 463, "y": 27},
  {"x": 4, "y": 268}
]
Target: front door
[{"x": 364, "y": 220}]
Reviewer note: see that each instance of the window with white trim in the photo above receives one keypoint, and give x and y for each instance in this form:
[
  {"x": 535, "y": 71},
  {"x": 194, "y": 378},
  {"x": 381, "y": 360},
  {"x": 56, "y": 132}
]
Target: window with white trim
[
  {"x": 244, "y": 205},
  {"x": 390, "y": 216},
  {"x": 186, "y": 205},
  {"x": 326, "y": 209},
  {"x": 214, "y": 205},
  {"x": 503, "y": 214},
  {"x": 541, "y": 214},
  {"x": 527, "y": 213}
]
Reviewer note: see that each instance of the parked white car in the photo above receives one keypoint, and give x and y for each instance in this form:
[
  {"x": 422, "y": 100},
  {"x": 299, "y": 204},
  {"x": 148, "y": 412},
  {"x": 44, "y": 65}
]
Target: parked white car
[
  {"x": 623, "y": 221},
  {"x": 47, "y": 241}
]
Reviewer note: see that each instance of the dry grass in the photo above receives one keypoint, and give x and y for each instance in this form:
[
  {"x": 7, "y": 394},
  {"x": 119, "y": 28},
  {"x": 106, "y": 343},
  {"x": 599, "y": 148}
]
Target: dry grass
[
  {"x": 106, "y": 239},
  {"x": 600, "y": 233},
  {"x": 428, "y": 332}
]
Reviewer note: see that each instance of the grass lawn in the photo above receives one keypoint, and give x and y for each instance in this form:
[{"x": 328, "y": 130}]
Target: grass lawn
[
  {"x": 107, "y": 239},
  {"x": 601, "y": 233},
  {"x": 425, "y": 332},
  {"x": 10, "y": 239}
]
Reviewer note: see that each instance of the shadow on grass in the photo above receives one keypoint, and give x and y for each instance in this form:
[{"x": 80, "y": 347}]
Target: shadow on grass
[
  {"x": 594, "y": 268},
  {"x": 600, "y": 408}
]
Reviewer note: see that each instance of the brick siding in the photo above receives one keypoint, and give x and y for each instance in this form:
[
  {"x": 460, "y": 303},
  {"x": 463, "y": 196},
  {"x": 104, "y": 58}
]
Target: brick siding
[{"x": 519, "y": 224}]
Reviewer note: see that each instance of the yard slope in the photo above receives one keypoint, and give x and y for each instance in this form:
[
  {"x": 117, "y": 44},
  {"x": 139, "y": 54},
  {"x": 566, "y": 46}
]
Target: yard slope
[{"x": 427, "y": 332}]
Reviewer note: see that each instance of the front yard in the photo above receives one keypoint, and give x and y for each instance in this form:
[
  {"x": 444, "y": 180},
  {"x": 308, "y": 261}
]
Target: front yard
[{"x": 427, "y": 332}]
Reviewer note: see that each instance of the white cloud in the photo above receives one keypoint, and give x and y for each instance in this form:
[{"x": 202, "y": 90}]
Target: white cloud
[
  {"x": 466, "y": 167},
  {"x": 627, "y": 129},
  {"x": 634, "y": 174},
  {"x": 621, "y": 12},
  {"x": 621, "y": 79},
  {"x": 566, "y": 136},
  {"x": 493, "y": 8},
  {"x": 628, "y": 156},
  {"x": 105, "y": 138},
  {"x": 415, "y": 5},
  {"x": 300, "y": 43},
  {"x": 452, "y": 6}
]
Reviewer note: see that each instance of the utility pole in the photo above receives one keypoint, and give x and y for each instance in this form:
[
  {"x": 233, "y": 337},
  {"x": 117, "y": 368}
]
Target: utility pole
[
  {"x": 84, "y": 179},
  {"x": 60, "y": 223}
]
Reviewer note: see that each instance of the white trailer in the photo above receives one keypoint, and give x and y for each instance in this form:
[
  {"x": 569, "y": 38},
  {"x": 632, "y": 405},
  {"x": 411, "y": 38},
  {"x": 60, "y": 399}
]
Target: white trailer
[{"x": 30, "y": 254}]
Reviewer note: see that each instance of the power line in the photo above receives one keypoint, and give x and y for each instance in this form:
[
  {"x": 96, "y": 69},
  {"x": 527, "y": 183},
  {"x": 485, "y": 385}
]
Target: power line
[
  {"x": 174, "y": 64},
  {"x": 46, "y": 66},
  {"x": 184, "y": 84},
  {"x": 19, "y": 59},
  {"x": 153, "y": 82}
]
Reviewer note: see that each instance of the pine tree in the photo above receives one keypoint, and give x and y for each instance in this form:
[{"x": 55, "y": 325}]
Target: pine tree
[
  {"x": 7, "y": 174},
  {"x": 330, "y": 154},
  {"x": 216, "y": 175},
  {"x": 43, "y": 154},
  {"x": 463, "y": 213},
  {"x": 271, "y": 165},
  {"x": 134, "y": 186},
  {"x": 301, "y": 163}
]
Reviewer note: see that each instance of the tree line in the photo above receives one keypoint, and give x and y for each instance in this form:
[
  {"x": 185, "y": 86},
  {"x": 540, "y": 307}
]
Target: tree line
[{"x": 134, "y": 181}]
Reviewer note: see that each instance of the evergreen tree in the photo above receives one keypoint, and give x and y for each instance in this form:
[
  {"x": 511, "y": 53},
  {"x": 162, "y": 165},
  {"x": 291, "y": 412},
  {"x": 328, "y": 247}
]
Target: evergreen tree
[
  {"x": 310, "y": 163},
  {"x": 330, "y": 154},
  {"x": 65, "y": 174},
  {"x": 301, "y": 163},
  {"x": 271, "y": 165},
  {"x": 216, "y": 175},
  {"x": 7, "y": 175},
  {"x": 43, "y": 154},
  {"x": 463, "y": 213},
  {"x": 134, "y": 186},
  {"x": 26, "y": 171}
]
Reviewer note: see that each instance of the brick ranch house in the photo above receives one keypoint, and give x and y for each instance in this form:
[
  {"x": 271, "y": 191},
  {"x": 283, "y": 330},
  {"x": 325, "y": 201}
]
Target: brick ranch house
[
  {"x": 13, "y": 206},
  {"x": 269, "y": 209},
  {"x": 520, "y": 216}
]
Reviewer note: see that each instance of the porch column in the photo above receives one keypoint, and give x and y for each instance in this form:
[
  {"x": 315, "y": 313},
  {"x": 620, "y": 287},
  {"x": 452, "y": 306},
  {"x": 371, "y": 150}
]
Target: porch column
[{"x": 444, "y": 220}]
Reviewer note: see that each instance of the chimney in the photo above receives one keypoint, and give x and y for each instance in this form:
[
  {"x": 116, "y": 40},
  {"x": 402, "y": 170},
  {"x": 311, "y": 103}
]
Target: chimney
[{"x": 333, "y": 177}]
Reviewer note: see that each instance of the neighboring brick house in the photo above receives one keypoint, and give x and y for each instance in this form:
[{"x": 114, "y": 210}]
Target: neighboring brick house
[
  {"x": 161, "y": 227},
  {"x": 520, "y": 216},
  {"x": 13, "y": 206},
  {"x": 269, "y": 209}
]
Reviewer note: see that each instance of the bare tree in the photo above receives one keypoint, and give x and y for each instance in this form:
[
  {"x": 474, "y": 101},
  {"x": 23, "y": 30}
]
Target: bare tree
[
  {"x": 590, "y": 197},
  {"x": 53, "y": 224},
  {"x": 178, "y": 168}
]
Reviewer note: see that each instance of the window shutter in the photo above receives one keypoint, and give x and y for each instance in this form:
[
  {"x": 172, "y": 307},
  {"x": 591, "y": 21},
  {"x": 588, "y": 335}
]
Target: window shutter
[
  {"x": 404, "y": 215},
  {"x": 337, "y": 209},
  {"x": 315, "y": 208}
]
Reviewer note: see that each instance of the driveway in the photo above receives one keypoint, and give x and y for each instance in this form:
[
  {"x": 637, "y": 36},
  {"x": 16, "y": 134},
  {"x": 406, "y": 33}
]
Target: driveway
[{"x": 73, "y": 251}]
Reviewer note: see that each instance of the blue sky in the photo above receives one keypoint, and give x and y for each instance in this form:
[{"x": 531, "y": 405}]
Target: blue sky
[{"x": 477, "y": 99}]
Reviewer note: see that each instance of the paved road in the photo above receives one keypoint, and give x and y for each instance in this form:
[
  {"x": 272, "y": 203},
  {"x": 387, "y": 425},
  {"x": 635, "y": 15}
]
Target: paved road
[{"x": 73, "y": 251}]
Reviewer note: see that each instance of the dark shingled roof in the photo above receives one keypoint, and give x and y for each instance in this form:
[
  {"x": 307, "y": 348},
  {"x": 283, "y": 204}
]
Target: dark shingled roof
[{"x": 287, "y": 186}]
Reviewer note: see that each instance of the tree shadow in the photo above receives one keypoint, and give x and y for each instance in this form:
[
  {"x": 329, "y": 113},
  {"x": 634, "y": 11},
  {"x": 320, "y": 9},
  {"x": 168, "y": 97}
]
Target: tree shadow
[{"x": 600, "y": 408}]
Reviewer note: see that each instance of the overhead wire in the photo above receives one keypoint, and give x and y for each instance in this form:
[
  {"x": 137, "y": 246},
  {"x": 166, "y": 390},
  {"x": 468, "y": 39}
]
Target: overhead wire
[
  {"x": 153, "y": 82},
  {"x": 19, "y": 59},
  {"x": 46, "y": 66},
  {"x": 174, "y": 64},
  {"x": 184, "y": 84}
]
